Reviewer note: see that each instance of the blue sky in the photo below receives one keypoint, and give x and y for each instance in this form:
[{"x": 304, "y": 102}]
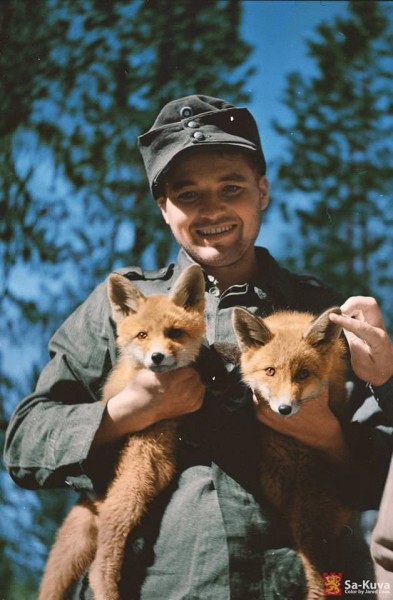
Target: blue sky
[{"x": 278, "y": 30}]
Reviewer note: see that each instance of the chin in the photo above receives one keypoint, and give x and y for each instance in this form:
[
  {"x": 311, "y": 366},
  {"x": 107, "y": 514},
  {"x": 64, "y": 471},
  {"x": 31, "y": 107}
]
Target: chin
[{"x": 216, "y": 258}]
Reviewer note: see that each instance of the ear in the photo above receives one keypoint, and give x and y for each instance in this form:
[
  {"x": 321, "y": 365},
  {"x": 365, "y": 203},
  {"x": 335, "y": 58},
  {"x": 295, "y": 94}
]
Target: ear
[
  {"x": 161, "y": 201},
  {"x": 189, "y": 289},
  {"x": 249, "y": 329},
  {"x": 263, "y": 186},
  {"x": 323, "y": 330},
  {"x": 124, "y": 296}
]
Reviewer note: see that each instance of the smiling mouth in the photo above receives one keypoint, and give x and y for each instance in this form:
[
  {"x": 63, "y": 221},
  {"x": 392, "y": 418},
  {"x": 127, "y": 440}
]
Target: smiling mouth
[{"x": 211, "y": 231}]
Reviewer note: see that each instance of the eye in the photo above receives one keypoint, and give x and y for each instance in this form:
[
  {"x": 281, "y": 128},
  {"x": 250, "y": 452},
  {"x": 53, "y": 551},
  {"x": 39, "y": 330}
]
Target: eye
[
  {"x": 174, "y": 333},
  {"x": 232, "y": 189},
  {"x": 302, "y": 374},
  {"x": 142, "y": 335},
  {"x": 270, "y": 371},
  {"x": 187, "y": 197}
]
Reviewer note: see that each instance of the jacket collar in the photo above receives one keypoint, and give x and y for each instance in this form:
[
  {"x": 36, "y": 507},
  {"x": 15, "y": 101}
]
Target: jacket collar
[{"x": 272, "y": 280}]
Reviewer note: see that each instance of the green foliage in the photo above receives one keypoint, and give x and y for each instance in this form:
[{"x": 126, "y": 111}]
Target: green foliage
[
  {"x": 12, "y": 588},
  {"x": 340, "y": 153},
  {"x": 79, "y": 82},
  {"x": 85, "y": 79}
]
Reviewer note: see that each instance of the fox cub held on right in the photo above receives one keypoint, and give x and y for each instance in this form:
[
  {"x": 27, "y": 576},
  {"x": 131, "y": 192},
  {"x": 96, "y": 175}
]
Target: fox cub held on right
[
  {"x": 160, "y": 333},
  {"x": 288, "y": 359}
]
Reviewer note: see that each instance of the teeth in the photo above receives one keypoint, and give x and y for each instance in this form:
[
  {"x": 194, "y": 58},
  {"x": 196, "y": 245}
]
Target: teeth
[{"x": 213, "y": 231}]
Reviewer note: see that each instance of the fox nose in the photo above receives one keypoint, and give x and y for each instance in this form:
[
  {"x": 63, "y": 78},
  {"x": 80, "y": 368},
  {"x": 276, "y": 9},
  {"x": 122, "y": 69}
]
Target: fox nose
[
  {"x": 285, "y": 409},
  {"x": 157, "y": 357}
]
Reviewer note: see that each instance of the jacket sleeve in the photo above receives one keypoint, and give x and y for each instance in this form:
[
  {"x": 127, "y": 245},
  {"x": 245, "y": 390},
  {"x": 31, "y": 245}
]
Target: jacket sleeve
[
  {"x": 50, "y": 433},
  {"x": 384, "y": 397}
]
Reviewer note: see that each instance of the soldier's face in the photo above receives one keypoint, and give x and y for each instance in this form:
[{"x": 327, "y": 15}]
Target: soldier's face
[{"x": 212, "y": 202}]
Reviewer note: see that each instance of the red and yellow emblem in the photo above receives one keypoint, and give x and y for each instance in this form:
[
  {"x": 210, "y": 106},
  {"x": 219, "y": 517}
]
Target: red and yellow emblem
[{"x": 332, "y": 584}]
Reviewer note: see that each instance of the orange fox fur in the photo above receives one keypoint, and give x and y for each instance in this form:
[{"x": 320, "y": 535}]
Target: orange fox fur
[
  {"x": 287, "y": 359},
  {"x": 159, "y": 333}
]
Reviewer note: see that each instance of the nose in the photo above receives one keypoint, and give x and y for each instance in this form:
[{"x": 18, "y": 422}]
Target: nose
[
  {"x": 212, "y": 204},
  {"x": 157, "y": 358},
  {"x": 285, "y": 409}
]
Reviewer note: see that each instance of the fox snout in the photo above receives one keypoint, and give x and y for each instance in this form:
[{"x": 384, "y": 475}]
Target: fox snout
[
  {"x": 282, "y": 405},
  {"x": 159, "y": 361},
  {"x": 157, "y": 357},
  {"x": 285, "y": 410}
]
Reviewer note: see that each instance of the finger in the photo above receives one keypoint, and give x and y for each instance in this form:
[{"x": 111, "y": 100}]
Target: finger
[
  {"x": 357, "y": 302},
  {"x": 364, "y": 308},
  {"x": 360, "y": 328}
]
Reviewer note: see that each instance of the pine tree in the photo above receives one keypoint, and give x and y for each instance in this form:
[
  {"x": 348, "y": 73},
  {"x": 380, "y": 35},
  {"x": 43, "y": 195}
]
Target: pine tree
[
  {"x": 340, "y": 154},
  {"x": 116, "y": 66}
]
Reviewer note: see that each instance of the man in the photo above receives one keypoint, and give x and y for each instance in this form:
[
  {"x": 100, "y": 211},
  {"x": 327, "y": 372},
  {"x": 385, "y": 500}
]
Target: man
[{"x": 210, "y": 536}]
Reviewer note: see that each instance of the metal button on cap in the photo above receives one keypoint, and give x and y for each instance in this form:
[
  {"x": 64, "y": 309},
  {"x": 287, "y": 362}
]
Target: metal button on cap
[
  {"x": 198, "y": 135},
  {"x": 185, "y": 112},
  {"x": 193, "y": 124}
]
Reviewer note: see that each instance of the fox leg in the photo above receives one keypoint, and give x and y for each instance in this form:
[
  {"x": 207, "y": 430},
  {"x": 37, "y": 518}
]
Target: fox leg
[
  {"x": 147, "y": 465},
  {"x": 72, "y": 552},
  {"x": 315, "y": 541},
  {"x": 314, "y": 581},
  {"x": 312, "y": 549}
]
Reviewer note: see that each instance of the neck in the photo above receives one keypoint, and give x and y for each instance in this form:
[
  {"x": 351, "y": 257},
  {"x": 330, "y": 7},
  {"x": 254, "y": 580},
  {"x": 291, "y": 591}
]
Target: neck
[{"x": 235, "y": 274}]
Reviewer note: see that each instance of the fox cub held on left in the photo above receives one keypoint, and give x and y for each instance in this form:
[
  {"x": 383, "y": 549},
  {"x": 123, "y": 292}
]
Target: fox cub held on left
[{"x": 160, "y": 333}]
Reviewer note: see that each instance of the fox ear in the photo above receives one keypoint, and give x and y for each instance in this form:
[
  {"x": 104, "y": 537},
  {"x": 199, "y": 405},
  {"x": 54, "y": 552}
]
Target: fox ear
[
  {"x": 124, "y": 296},
  {"x": 249, "y": 329},
  {"x": 323, "y": 330},
  {"x": 189, "y": 289}
]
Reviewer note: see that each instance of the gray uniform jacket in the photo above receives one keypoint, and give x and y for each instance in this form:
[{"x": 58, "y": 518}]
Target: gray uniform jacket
[{"x": 211, "y": 535}]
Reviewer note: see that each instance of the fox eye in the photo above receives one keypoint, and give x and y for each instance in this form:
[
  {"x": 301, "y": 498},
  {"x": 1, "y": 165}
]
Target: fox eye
[
  {"x": 302, "y": 374},
  {"x": 174, "y": 333},
  {"x": 270, "y": 371},
  {"x": 142, "y": 335}
]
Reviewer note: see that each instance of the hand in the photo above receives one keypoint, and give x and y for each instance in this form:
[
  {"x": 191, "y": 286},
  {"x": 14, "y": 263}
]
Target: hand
[
  {"x": 314, "y": 425},
  {"x": 148, "y": 398},
  {"x": 369, "y": 343}
]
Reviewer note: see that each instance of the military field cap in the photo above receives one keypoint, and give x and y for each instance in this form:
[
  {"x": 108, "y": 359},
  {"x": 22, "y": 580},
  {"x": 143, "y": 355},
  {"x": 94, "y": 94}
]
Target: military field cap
[{"x": 195, "y": 122}]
